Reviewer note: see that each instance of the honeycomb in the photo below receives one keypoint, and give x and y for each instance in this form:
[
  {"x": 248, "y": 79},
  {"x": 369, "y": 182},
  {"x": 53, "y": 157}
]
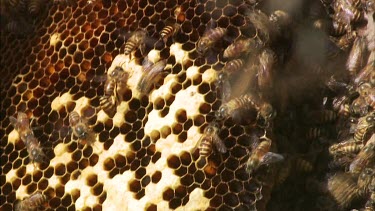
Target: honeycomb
[{"x": 145, "y": 155}]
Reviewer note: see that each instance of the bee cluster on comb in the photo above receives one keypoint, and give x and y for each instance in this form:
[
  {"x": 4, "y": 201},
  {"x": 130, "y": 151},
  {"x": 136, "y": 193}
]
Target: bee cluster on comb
[{"x": 187, "y": 105}]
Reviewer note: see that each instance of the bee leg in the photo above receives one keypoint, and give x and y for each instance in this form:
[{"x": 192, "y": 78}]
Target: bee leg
[{"x": 142, "y": 48}]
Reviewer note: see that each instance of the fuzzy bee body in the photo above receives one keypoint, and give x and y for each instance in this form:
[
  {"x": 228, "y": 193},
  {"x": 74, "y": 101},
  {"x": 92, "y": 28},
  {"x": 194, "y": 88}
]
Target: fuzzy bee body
[
  {"x": 316, "y": 132},
  {"x": 34, "y": 6},
  {"x": 346, "y": 147},
  {"x": 322, "y": 116},
  {"x": 33, "y": 202},
  {"x": 136, "y": 40},
  {"x": 209, "y": 38},
  {"x": 365, "y": 124},
  {"x": 363, "y": 158},
  {"x": 246, "y": 108},
  {"x": 210, "y": 138},
  {"x": 22, "y": 126},
  {"x": 233, "y": 66},
  {"x": 303, "y": 165},
  {"x": 343, "y": 187},
  {"x": 240, "y": 48},
  {"x": 114, "y": 86},
  {"x": 346, "y": 11},
  {"x": 356, "y": 56},
  {"x": 368, "y": 93},
  {"x": 80, "y": 128},
  {"x": 261, "y": 155},
  {"x": 267, "y": 60},
  {"x": 169, "y": 31}
]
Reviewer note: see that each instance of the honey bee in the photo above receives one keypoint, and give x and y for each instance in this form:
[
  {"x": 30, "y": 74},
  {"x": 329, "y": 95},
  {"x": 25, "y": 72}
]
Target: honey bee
[
  {"x": 341, "y": 106},
  {"x": 240, "y": 47},
  {"x": 280, "y": 18},
  {"x": 347, "y": 12},
  {"x": 346, "y": 147},
  {"x": 80, "y": 128},
  {"x": 137, "y": 40},
  {"x": 115, "y": 84},
  {"x": 246, "y": 109},
  {"x": 233, "y": 66},
  {"x": 169, "y": 31},
  {"x": 261, "y": 155},
  {"x": 356, "y": 56},
  {"x": 209, "y": 138},
  {"x": 22, "y": 126},
  {"x": 364, "y": 157},
  {"x": 343, "y": 188},
  {"x": 33, "y": 202},
  {"x": 316, "y": 132},
  {"x": 345, "y": 41},
  {"x": 151, "y": 74},
  {"x": 34, "y": 6},
  {"x": 364, "y": 126},
  {"x": 359, "y": 106},
  {"x": 262, "y": 24},
  {"x": 322, "y": 116},
  {"x": 364, "y": 75},
  {"x": 366, "y": 180},
  {"x": 368, "y": 93},
  {"x": 267, "y": 60},
  {"x": 209, "y": 38}
]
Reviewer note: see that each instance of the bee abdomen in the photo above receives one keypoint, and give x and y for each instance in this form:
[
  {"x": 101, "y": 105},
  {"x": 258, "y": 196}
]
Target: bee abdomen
[
  {"x": 166, "y": 32},
  {"x": 129, "y": 47},
  {"x": 108, "y": 106},
  {"x": 345, "y": 148},
  {"x": 315, "y": 132},
  {"x": 205, "y": 148},
  {"x": 217, "y": 34},
  {"x": 233, "y": 65},
  {"x": 303, "y": 165},
  {"x": 74, "y": 118},
  {"x": 34, "y": 6}
]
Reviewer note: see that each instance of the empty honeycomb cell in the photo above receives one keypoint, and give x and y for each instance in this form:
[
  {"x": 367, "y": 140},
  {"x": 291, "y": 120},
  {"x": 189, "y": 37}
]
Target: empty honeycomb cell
[
  {"x": 156, "y": 157},
  {"x": 91, "y": 180},
  {"x": 181, "y": 171},
  {"x": 13, "y": 156},
  {"x": 187, "y": 180},
  {"x": 37, "y": 175},
  {"x": 145, "y": 181},
  {"x": 31, "y": 187},
  {"x": 108, "y": 164},
  {"x": 60, "y": 169},
  {"x": 83, "y": 163},
  {"x": 216, "y": 201},
  {"x": 173, "y": 161}
]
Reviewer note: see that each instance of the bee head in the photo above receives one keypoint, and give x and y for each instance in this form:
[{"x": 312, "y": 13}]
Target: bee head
[
  {"x": 37, "y": 155},
  {"x": 202, "y": 46},
  {"x": 221, "y": 113},
  {"x": 267, "y": 112},
  {"x": 370, "y": 119},
  {"x": 81, "y": 131}
]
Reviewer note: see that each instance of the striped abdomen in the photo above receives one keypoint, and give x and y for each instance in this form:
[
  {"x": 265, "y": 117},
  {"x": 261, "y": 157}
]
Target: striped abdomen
[
  {"x": 356, "y": 56},
  {"x": 238, "y": 48},
  {"x": 32, "y": 202},
  {"x": 233, "y": 66},
  {"x": 34, "y": 6},
  {"x": 205, "y": 147},
  {"x": 347, "y": 147}
]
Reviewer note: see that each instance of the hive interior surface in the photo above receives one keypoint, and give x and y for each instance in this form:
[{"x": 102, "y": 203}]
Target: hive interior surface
[{"x": 145, "y": 157}]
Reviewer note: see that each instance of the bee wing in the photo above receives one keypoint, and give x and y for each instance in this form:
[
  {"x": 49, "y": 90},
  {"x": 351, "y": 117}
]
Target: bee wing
[
  {"x": 146, "y": 64},
  {"x": 100, "y": 79},
  {"x": 13, "y": 121},
  {"x": 219, "y": 144},
  {"x": 271, "y": 157}
]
